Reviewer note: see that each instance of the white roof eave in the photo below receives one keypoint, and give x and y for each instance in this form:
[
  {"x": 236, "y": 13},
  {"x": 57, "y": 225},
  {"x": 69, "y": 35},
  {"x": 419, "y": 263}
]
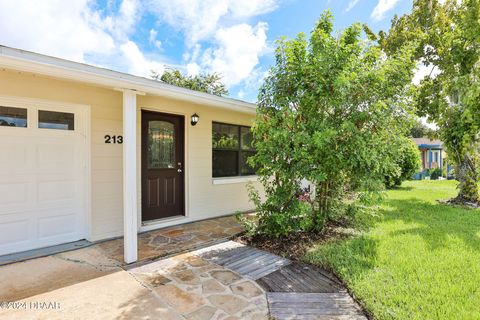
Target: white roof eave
[{"x": 26, "y": 61}]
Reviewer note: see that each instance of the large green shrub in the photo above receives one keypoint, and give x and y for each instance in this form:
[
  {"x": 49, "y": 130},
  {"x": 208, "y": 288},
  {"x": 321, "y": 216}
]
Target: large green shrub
[
  {"x": 407, "y": 162},
  {"x": 326, "y": 114}
]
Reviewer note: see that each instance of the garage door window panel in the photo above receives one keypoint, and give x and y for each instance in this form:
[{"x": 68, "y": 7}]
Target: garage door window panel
[
  {"x": 13, "y": 117},
  {"x": 56, "y": 120}
]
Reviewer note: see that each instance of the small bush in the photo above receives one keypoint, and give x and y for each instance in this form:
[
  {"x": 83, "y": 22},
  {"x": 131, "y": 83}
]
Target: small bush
[
  {"x": 434, "y": 173},
  {"x": 279, "y": 217},
  {"x": 407, "y": 163}
]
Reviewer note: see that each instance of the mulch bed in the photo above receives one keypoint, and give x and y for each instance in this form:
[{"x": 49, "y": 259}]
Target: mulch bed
[{"x": 295, "y": 245}]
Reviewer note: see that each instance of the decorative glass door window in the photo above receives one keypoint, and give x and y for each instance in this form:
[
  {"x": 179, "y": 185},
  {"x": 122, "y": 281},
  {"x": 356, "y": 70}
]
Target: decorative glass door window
[{"x": 161, "y": 145}]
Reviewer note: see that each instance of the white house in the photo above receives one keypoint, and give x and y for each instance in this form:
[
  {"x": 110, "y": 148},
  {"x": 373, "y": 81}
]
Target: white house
[{"x": 90, "y": 153}]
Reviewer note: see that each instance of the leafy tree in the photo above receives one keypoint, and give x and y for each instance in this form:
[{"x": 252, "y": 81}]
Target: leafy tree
[
  {"x": 447, "y": 40},
  {"x": 325, "y": 114},
  {"x": 419, "y": 130},
  {"x": 408, "y": 163},
  {"x": 209, "y": 83}
]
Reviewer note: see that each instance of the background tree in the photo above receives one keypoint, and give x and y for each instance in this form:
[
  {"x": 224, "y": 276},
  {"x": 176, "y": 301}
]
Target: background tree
[
  {"x": 447, "y": 41},
  {"x": 209, "y": 83},
  {"x": 419, "y": 130},
  {"x": 325, "y": 114}
]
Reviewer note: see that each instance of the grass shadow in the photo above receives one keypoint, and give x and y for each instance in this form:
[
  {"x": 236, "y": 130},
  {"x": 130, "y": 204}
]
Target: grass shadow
[{"x": 402, "y": 188}]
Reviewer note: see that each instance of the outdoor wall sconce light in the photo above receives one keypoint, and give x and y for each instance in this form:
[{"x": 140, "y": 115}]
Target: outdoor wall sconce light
[{"x": 195, "y": 119}]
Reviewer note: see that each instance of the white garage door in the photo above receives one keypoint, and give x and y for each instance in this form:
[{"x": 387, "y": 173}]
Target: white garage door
[{"x": 42, "y": 175}]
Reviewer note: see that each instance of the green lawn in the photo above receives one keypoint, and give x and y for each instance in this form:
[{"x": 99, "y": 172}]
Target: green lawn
[{"x": 420, "y": 260}]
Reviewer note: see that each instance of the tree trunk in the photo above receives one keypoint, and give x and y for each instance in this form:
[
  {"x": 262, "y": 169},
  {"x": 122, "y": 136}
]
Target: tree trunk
[
  {"x": 467, "y": 176},
  {"x": 322, "y": 199}
]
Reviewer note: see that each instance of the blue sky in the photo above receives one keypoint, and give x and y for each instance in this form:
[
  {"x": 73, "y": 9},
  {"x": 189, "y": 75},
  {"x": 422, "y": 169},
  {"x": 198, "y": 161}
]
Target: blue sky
[{"x": 233, "y": 37}]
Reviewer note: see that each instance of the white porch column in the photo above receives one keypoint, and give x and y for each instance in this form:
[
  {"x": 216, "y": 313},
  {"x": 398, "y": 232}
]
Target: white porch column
[{"x": 129, "y": 176}]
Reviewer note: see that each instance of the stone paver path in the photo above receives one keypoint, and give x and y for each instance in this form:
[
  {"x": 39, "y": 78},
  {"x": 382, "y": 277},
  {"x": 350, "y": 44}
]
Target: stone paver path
[
  {"x": 86, "y": 284},
  {"x": 197, "y": 289},
  {"x": 177, "y": 239},
  {"x": 227, "y": 281}
]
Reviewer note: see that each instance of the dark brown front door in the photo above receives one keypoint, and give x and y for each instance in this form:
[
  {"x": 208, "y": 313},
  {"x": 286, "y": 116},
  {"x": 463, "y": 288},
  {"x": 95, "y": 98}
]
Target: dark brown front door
[{"x": 162, "y": 165}]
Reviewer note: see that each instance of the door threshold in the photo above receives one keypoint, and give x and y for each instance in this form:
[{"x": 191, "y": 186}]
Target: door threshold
[{"x": 162, "y": 220}]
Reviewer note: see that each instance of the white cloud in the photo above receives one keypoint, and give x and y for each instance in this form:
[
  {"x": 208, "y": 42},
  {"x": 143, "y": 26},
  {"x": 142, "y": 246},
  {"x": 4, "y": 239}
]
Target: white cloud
[
  {"x": 199, "y": 19},
  {"x": 78, "y": 31},
  {"x": 123, "y": 24},
  {"x": 152, "y": 39},
  {"x": 234, "y": 47},
  {"x": 152, "y": 36},
  {"x": 246, "y": 9},
  {"x": 129, "y": 14},
  {"x": 193, "y": 69},
  {"x": 67, "y": 29},
  {"x": 137, "y": 63},
  {"x": 382, "y": 7},
  {"x": 217, "y": 37},
  {"x": 237, "y": 52},
  {"x": 351, "y": 4},
  {"x": 241, "y": 94}
]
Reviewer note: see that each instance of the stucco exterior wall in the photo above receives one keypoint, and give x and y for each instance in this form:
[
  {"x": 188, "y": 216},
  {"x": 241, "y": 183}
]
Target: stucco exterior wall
[{"x": 203, "y": 198}]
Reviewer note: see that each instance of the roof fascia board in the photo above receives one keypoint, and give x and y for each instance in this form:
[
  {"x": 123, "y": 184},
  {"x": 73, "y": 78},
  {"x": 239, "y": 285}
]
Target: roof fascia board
[{"x": 58, "y": 68}]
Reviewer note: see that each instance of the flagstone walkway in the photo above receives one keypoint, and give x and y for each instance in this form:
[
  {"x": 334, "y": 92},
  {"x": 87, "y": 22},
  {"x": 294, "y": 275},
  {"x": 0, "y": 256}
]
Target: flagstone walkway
[
  {"x": 177, "y": 239},
  {"x": 216, "y": 279},
  {"x": 196, "y": 289}
]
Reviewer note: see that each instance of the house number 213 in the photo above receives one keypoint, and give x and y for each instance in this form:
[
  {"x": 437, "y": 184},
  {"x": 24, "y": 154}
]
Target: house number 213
[{"x": 113, "y": 139}]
